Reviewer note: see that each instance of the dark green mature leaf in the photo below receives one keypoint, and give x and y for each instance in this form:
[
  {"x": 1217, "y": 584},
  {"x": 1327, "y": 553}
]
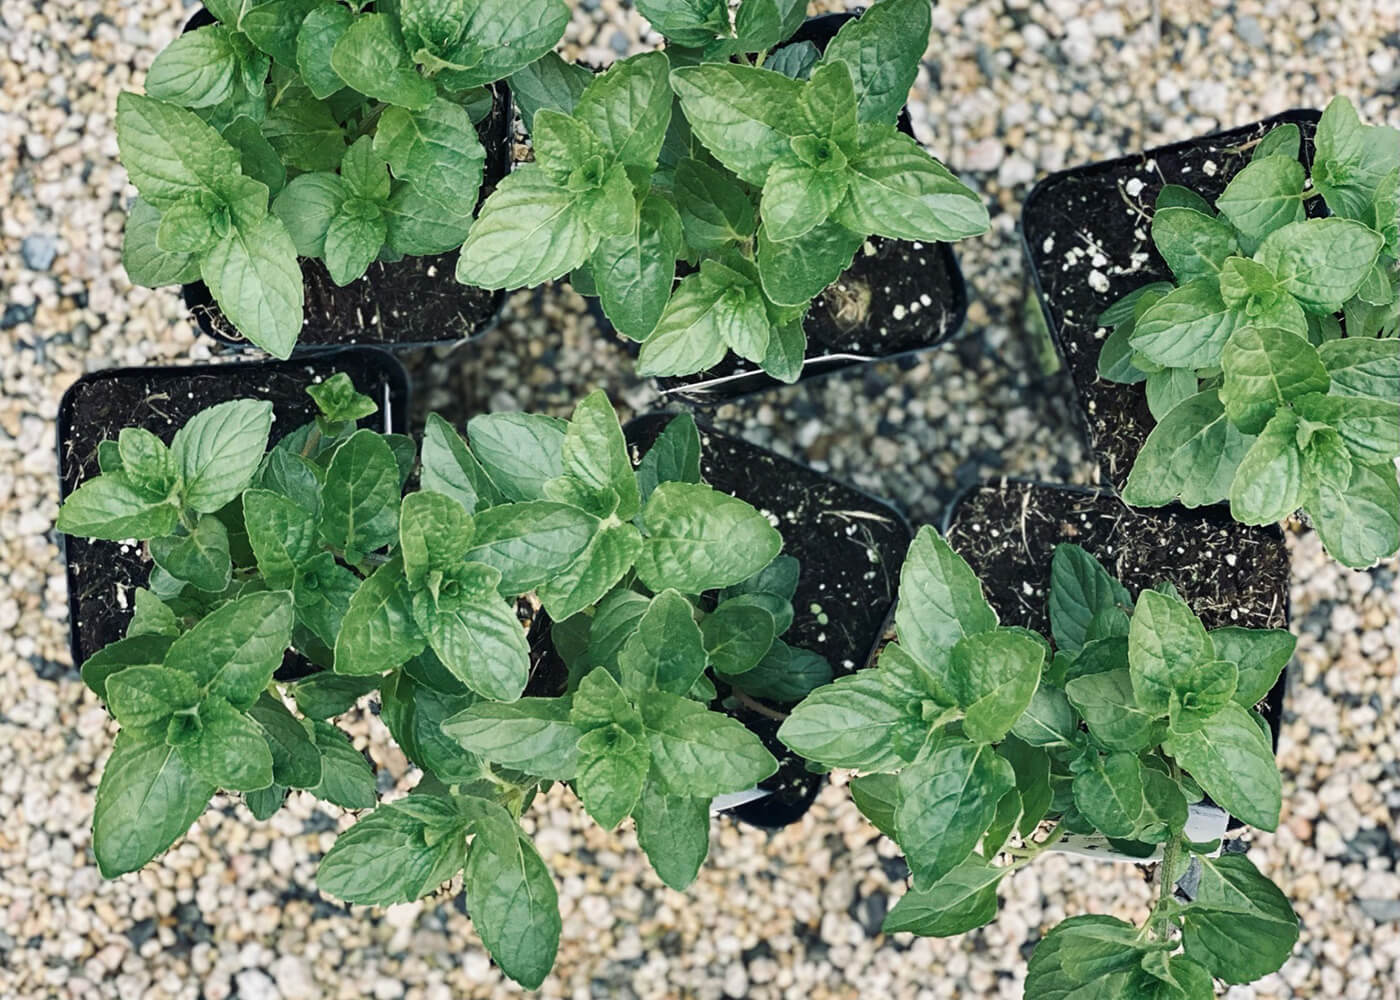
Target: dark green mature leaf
[
  {"x": 1192, "y": 455},
  {"x": 519, "y": 451},
  {"x": 1109, "y": 793},
  {"x": 1240, "y": 925},
  {"x": 146, "y": 800},
  {"x": 882, "y": 49},
  {"x": 306, "y": 206},
  {"x": 1270, "y": 483},
  {"x": 200, "y": 558},
  {"x": 696, "y": 326},
  {"x": 1359, "y": 524},
  {"x": 1113, "y": 715},
  {"x": 323, "y": 591},
  {"x": 1193, "y": 244},
  {"x": 635, "y": 272},
  {"x": 947, "y": 801},
  {"x": 687, "y": 22},
  {"x": 347, "y": 780},
  {"x": 673, "y": 457},
  {"x": 531, "y": 542},
  {"x": 786, "y": 674},
  {"x": 414, "y": 704},
  {"x": 110, "y": 507},
  {"x": 218, "y": 452},
  {"x": 714, "y": 208},
  {"x": 152, "y": 617},
  {"x": 666, "y": 652},
  {"x": 1048, "y": 720},
  {"x": 315, "y": 42},
  {"x": 295, "y": 760},
  {"x": 549, "y": 82},
  {"x": 1187, "y": 327},
  {"x": 1265, "y": 368},
  {"x": 963, "y": 899},
  {"x": 434, "y": 533},
  {"x": 304, "y": 131},
  {"x": 738, "y": 635},
  {"x": 940, "y": 601},
  {"x": 993, "y": 675},
  {"x": 612, "y": 769},
  {"x": 497, "y": 38},
  {"x": 254, "y": 277},
  {"x": 1057, "y": 967},
  {"x": 451, "y": 469},
  {"x": 146, "y": 695},
  {"x": 1259, "y": 654},
  {"x": 353, "y": 241},
  {"x": 229, "y": 749},
  {"x": 532, "y": 735},
  {"x": 371, "y": 58},
  {"x": 325, "y": 695},
  {"x": 436, "y": 150},
  {"x": 1321, "y": 262},
  {"x": 1233, "y": 761},
  {"x": 699, "y": 753},
  {"x": 234, "y": 650},
  {"x": 628, "y": 107},
  {"x": 1266, "y": 195},
  {"x": 898, "y": 190},
  {"x": 595, "y": 453},
  {"x": 387, "y": 857},
  {"x": 745, "y": 116},
  {"x": 146, "y": 263},
  {"x": 1352, "y": 160},
  {"x": 530, "y": 230},
  {"x": 196, "y": 70},
  {"x": 699, "y": 539},
  {"x": 133, "y": 651},
  {"x": 1164, "y": 641},
  {"x": 794, "y": 271},
  {"x": 1080, "y": 589},
  {"x": 611, "y": 553},
  {"x": 418, "y": 226},
  {"x": 675, "y": 833},
  {"x": 1369, "y": 428},
  {"x": 360, "y": 508},
  {"x": 379, "y": 632},
  {"x": 511, "y": 898}
]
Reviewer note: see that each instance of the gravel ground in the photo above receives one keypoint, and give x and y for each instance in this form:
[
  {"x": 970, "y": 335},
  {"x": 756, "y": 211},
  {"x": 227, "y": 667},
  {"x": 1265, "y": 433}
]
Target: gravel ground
[{"x": 1010, "y": 90}]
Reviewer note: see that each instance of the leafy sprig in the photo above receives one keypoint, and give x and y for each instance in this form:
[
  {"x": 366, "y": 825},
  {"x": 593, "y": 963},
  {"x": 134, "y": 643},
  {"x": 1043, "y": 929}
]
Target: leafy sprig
[
  {"x": 301, "y": 128},
  {"x": 668, "y": 599},
  {"x": 1263, "y": 396},
  {"x": 756, "y": 167},
  {"x": 981, "y": 745}
]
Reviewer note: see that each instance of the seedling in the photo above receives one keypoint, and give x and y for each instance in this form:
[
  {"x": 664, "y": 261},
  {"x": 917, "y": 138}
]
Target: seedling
[
  {"x": 1271, "y": 361},
  {"x": 295, "y": 128},
  {"x": 982, "y": 745},
  {"x": 667, "y": 597},
  {"x": 760, "y": 166}
]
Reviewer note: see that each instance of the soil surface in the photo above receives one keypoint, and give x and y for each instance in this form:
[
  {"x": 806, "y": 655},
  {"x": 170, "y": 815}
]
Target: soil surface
[
  {"x": 102, "y": 576},
  {"x": 411, "y": 301},
  {"x": 1087, "y": 233},
  {"x": 850, "y": 545}
]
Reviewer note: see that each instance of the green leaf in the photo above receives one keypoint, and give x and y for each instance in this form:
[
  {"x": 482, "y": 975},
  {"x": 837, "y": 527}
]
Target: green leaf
[
  {"x": 629, "y": 106},
  {"x": 1352, "y": 161},
  {"x": 378, "y": 632},
  {"x": 146, "y": 263},
  {"x": 898, "y": 190},
  {"x": 1199, "y": 692},
  {"x": 673, "y": 457},
  {"x": 295, "y": 760},
  {"x": 1109, "y": 794},
  {"x": 306, "y": 206},
  {"x": 200, "y": 558},
  {"x": 316, "y": 39},
  {"x": 1033, "y": 787},
  {"x": 323, "y": 590},
  {"x": 498, "y": 38},
  {"x": 964, "y": 899},
  {"x": 197, "y": 70},
  {"x": 549, "y": 82},
  {"x": 1369, "y": 428},
  {"x": 698, "y": 753},
  {"x": 940, "y": 601},
  {"x": 1232, "y": 760},
  {"x": 532, "y": 735},
  {"x": 609, "y": 556},
  {"x": 475, "y": 633},
  {"x": 449, "y": 468},
  {"x": 1358, "y": 524},
  {"x": 691, "y": 333},
  {"x": 1259, "y": 654},
  {"x": 1281, "y": 140},
  {"x": 371, "y": 58},
  {"x": 1071, "y": 944},
  {"x": 218, "y": 452},
  {"x": 414, "y": 704},
  {"x": 744, "y": 115},
  {"x": 595, "y": 453},
  {"x": 347, "y": 780},
  {"x": 947, "y": 801},
  {"x": 234, "y": 650},
  {"x": 795, "y": 271},
  {"x": 610, "y": 774},
  {"x": 798, "y": 196},
  {"x": 147, "y": 695},
  {"x": 1165, "y": 640},
  {"x": 1265, "y": 196},
  {"x": 146, "y": 800},
  {"x": 666, "y": 652},
  {"x": 529, "y": 231},
  {"x": 993, "y": 675},
  {"x": 1191, "y": 455},
  {"x": 418, "y": 226},
  {"x": 168, "y": 152},
  {"x": 699, "y": 539},
  {"x": 1080, "y": 589},
  {"x": 1321, "y": 262},
  {"x": 531, "y": 542},
  {"x": 1186, "y": 328},
  {"x": 714, "y": 208},
  {"x": 386, "y": 857},
  {"x": 152, "y": 617},
  {"x": 255, "y": 279},
  {"x": 353, "y": 242},
  {"x": 687, "y": 22},
  {"x": 786, "y": 674},
  {"x": 229, "y": 749},
  {"x": 434, "y": 533},
  {"x": 1167, "y": 388},
  {"x": 1270, "y": 483},
  {"x": 1193, "y": 244},
  {"x": 1114, "y": 717},
  {"x": 108, "y": 507},
  {"x": 360, "y": 496},
  {"x": 1048, "y": 720},
  {"x": 882, "y": 49},
  {"x": 512, "y": 899},
  {"x": 436, "y": 150},
  {"x": 1240, "y": 925},
  {"x": 519, "y": 452},
  {"x": 263, "y": 803},
  {"x": 1264, "y": 369},
  {"x": 738, "y": 636},
  {"x": 133, "y": 651},
  {"x": 304, "y": 131},
  {"x": 635, "y": 272},
  {"x": 260, "y": 161},
  {"x": 675, "y": 833},
  {"x": 325, "y": 695}
]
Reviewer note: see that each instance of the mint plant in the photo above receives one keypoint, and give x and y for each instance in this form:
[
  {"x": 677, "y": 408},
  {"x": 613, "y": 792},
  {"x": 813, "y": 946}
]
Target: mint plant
[
  {"x": 760, "y": 167},
  {"x": 1271, "y": 362},
  {"x": 981, "y": 745},
  {"x": 668, "y": 599},
  {"x": 309, "y": 128}
]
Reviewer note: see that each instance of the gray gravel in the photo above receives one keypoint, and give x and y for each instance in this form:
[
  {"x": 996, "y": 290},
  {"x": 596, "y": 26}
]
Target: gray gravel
[{"x": 1010, "y": 91}]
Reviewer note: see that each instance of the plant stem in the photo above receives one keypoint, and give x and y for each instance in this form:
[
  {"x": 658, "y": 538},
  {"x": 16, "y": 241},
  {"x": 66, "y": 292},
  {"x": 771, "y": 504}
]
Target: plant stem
[
  {"x": 1025, "y": 855},
  {"x": 754, "y": 705}
]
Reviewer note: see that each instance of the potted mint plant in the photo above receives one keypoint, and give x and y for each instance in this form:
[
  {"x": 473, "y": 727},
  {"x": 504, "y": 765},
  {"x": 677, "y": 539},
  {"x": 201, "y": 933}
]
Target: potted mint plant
[
  {"x": 306, "y": 169},
  {"x": 1253, "y": 359},
  {"x": 983, "y": 745},
  {"x": 663, "y": 590},
  {"x": 769, "y": 177}
]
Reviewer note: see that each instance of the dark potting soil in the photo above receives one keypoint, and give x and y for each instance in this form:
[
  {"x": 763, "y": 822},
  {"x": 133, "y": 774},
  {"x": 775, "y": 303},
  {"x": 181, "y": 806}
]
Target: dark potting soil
[
  {"x": 415, "y": 300},
  {"x": 102, "y": 576},
  {"x": 1088, "y": 240},
  {"x": 850, "y": 546},
  {"x": 1229, "y": 574}
]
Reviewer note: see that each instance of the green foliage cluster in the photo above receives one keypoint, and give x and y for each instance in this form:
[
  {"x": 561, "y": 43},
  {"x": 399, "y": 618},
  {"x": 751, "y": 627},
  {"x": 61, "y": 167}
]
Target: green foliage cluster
[
  {"x": 667, "y": 596},
  {"x": 979, "y": 743},
  {"x": 1272, "y": 361}
]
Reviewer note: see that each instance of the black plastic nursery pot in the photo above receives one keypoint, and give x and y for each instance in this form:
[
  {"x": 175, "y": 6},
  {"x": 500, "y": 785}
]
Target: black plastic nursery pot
[
  {"x": 850, "y": 545},
  {"x": 411, "y": 303},
  {"x": 1087, "y": 240},
  {"x": 897, "y": 298},
  {"x": 1230, "y": 574},
  {"x": 102, "y": 576}
]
